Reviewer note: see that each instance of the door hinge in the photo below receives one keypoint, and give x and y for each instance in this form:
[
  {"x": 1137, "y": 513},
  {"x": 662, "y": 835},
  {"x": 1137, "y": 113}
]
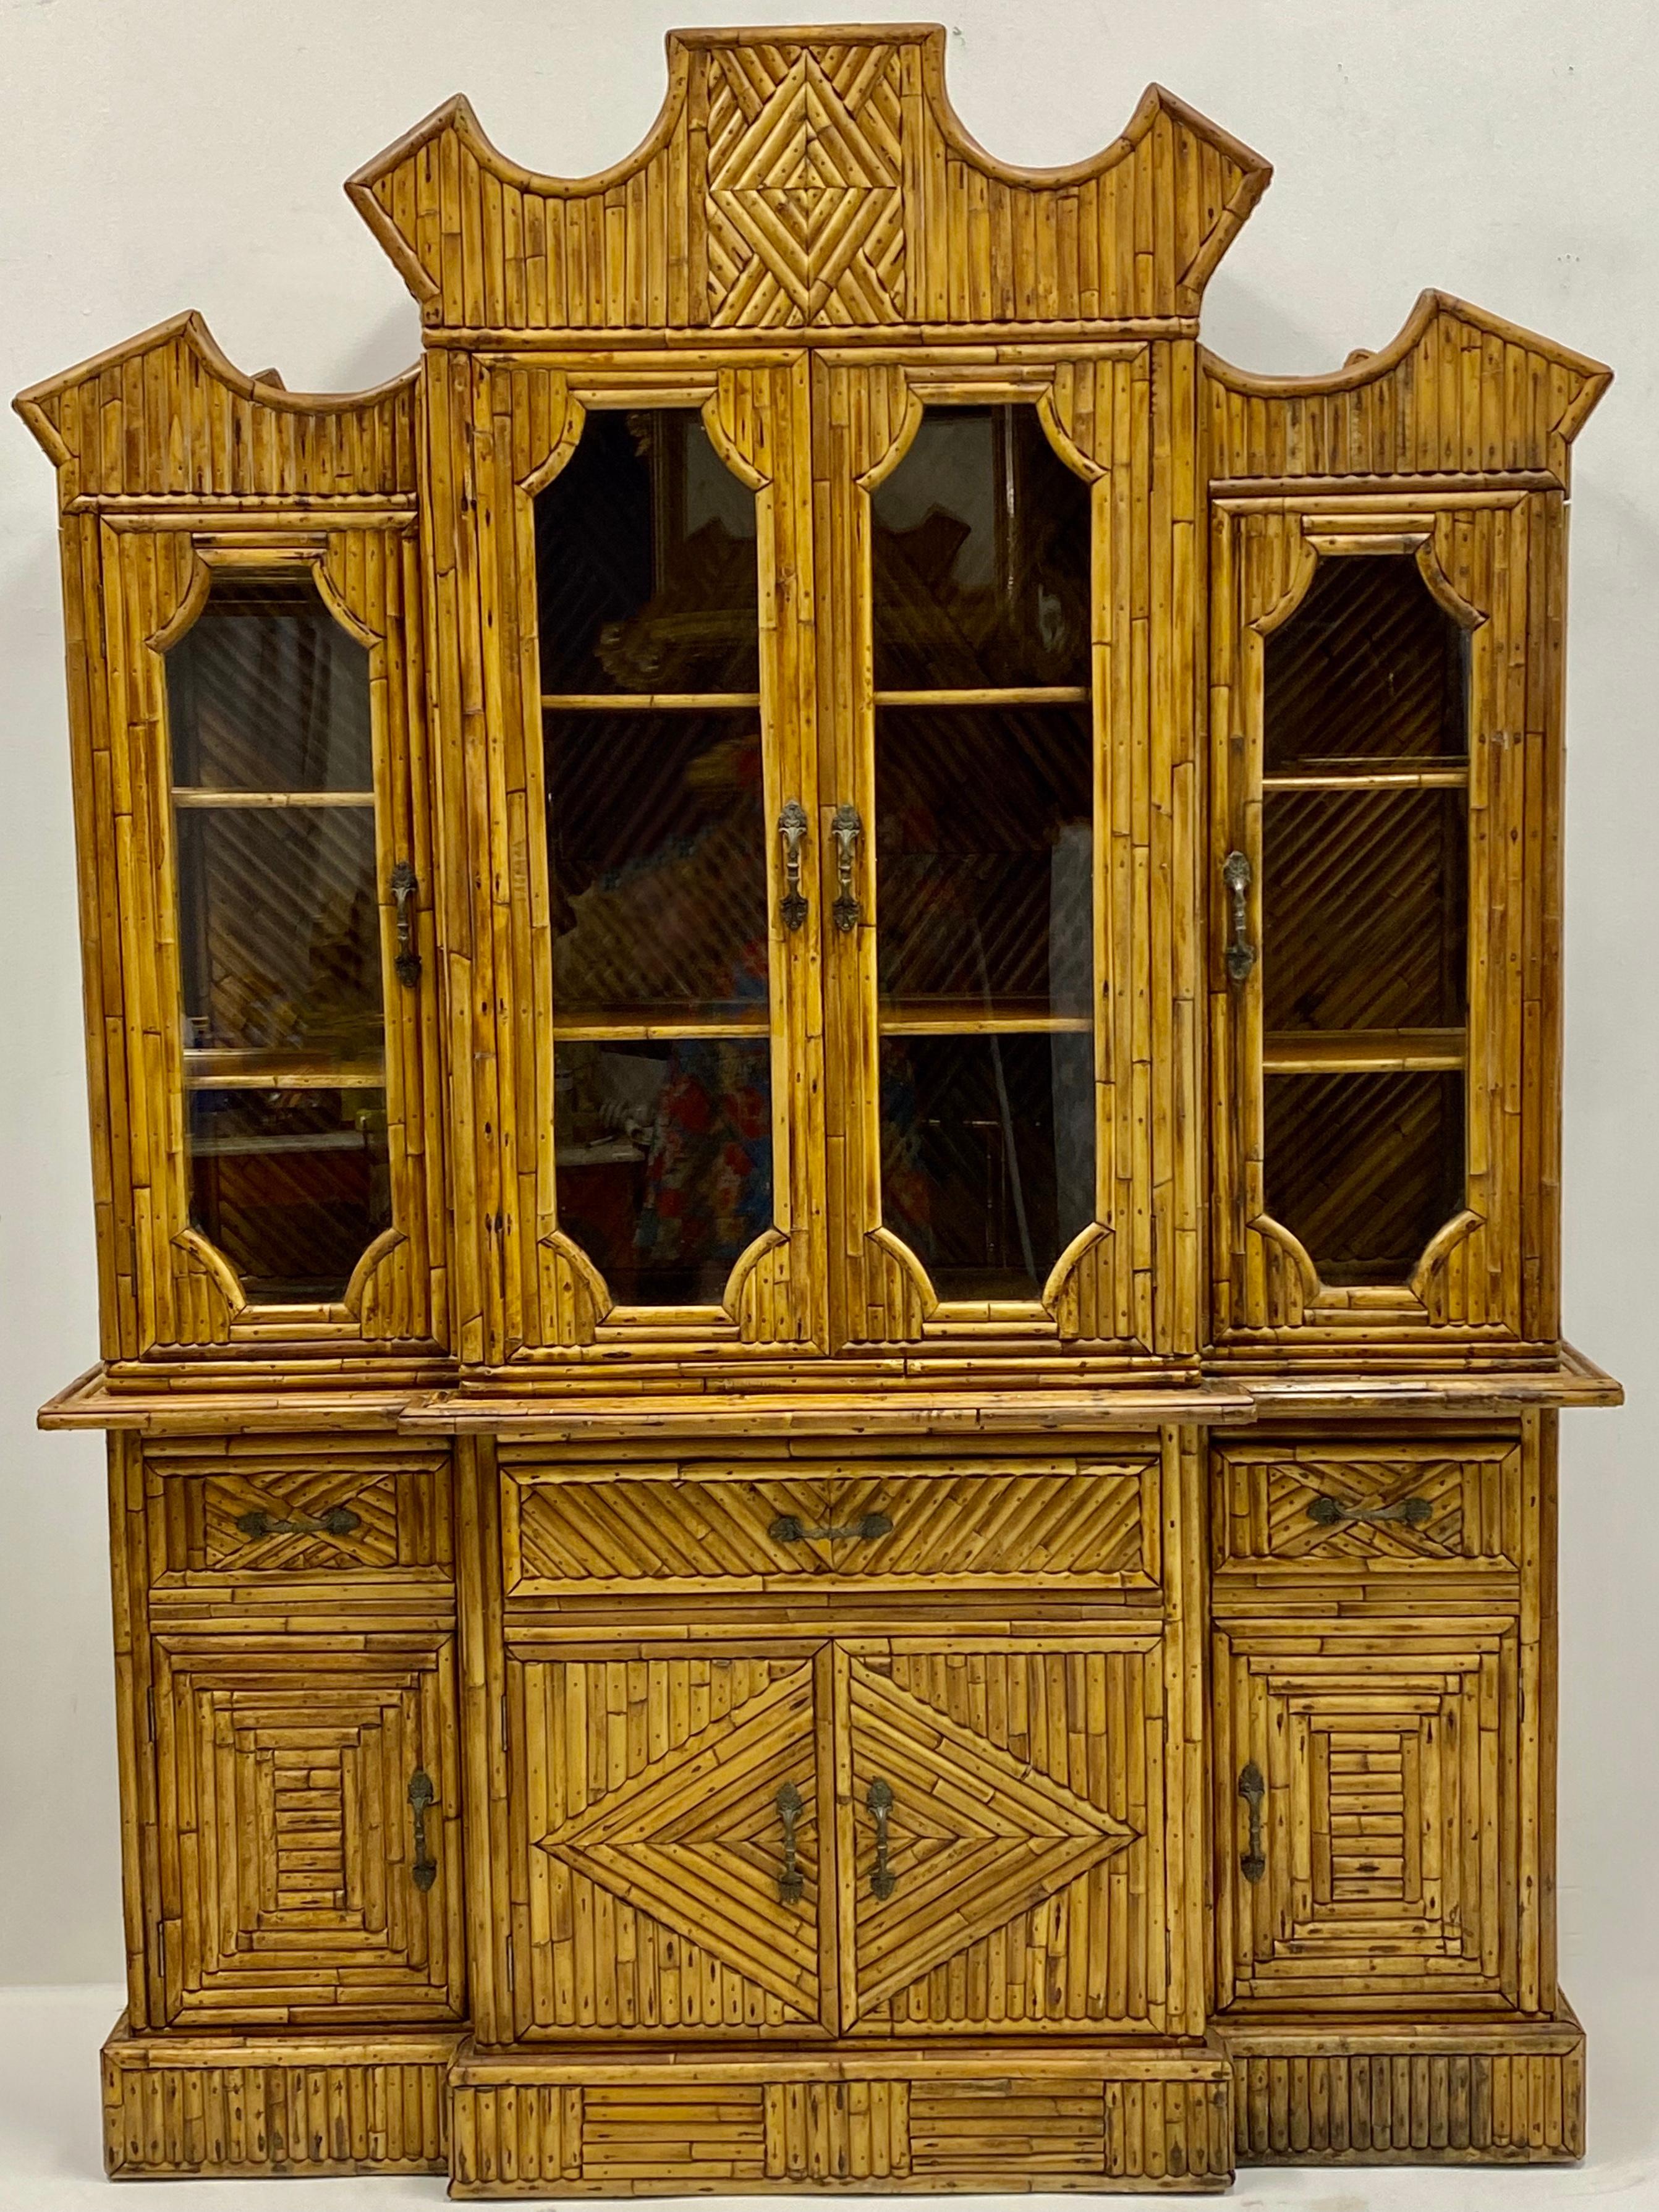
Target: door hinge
[
  {"x": 149, "y": 1710},
  {"x": 512, "y": 1968},
  {"x": 503, "y": 1724}
]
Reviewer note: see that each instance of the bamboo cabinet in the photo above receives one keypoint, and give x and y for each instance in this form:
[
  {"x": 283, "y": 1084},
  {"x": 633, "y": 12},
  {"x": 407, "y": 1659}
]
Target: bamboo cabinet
[{"x": 822, "y": 1004}]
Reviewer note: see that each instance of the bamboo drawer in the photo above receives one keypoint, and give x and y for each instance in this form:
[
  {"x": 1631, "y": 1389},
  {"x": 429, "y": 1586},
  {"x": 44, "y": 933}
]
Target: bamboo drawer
[
  {"x": 569, "y": 1525},
  {"x": 1435, "y": 1515},
  {"x": 260, "y": 1509}
]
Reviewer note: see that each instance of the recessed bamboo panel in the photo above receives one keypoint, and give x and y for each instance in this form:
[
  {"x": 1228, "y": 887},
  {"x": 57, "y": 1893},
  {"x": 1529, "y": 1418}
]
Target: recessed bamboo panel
[{"x": 808, "y": 179}]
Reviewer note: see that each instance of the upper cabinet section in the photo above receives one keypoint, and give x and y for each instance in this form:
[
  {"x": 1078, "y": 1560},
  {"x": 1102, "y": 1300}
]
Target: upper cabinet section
[
  {"x": 247, "y": 703},
  {"x": 801, "y": 180}
]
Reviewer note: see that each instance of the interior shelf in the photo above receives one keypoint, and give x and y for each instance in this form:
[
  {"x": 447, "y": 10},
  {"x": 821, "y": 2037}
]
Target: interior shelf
[{"x": 1339, "y": 1052}]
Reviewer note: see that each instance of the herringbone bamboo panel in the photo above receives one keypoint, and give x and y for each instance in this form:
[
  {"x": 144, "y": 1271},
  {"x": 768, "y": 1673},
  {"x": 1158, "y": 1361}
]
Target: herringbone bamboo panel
[
  {"x": 800, "y": 179},
  {"x": 1413, "y": 1502},
  {"x": 302, "y": 1506}
]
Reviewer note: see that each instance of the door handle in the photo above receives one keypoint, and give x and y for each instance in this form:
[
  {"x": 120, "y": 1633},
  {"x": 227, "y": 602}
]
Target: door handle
[
  {"x": 424, "y": 1872},
  {"x": 1240, "y": 953},
  {"x": 406, "y": 890},
  {"x": 791, "y": 1882},
  {"x": 338, "y": 1521},
  {"x": 789, "y": 1529},
  {"x": 846, "y": 830},
  {"x": 1331, "y": 1512},
  {"x": 1253, "y": 1863},
  {"x": 792, "y": 828},
  {"x": 882, "y": 1880}
]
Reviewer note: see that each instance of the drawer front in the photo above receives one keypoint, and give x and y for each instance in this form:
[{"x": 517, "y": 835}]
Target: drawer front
[
  {"x": 285, "y": 1507},
  {"x": 568, "y": 1526},
  {"x": 1368, "y": 1507}
]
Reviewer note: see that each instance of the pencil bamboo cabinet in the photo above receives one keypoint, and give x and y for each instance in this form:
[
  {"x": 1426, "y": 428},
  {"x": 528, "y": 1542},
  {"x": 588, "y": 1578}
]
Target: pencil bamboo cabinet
[{"x": 823, "y": 997}]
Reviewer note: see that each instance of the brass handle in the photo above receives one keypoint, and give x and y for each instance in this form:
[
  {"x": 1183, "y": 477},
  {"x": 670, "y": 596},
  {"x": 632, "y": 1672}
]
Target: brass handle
[
  {"x": 882, "y": 1880},
  {"x": 1253, "y": 1789},
  {"x": 1331, "y": 1512},
  {"x": 424, "y": 1872},
  {"x": 846, "y": 830},
  {"x": 789, "y": 1529},
  {"x": 791, "y": 1805},
  {"x": 406, "y": 890},
  {"x": 1240, "y": 953},
  {"x": 792, "y": 828},
  {"x": 338, "y": 1521}
]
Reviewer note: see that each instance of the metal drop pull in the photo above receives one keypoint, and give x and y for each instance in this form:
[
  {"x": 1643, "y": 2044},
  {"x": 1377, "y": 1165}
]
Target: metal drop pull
[
  {"x": 1253, "y": 1863},
  {"x": 788, "y": 1528},
  {"x": 1331, "y": 1512},
  {"x": 846, "y": 830},
  {"x": 424, "y": 1872},
  {"x": 1240, "y": 953},
  {"x": 338, "y": 1521},
  {"x": 406, "y": 890},
  {"x": 791, "y": 1882},
  {"x": 792, "y": 828},
  {"x": 882, "y": 1880}
]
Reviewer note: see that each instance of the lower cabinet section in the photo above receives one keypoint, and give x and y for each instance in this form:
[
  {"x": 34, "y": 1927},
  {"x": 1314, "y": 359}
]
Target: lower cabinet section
[
  {"x": 1480, "y": 2093},
  {"x": 238, "y": 2108},
  {"x": 528, "y": 2125}
]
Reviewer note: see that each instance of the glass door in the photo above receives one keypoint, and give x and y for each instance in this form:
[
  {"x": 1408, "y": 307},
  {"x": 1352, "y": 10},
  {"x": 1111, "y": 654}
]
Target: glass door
[
  {"x": 983, "y": 838},
  {"x": 648, "y": 604}
]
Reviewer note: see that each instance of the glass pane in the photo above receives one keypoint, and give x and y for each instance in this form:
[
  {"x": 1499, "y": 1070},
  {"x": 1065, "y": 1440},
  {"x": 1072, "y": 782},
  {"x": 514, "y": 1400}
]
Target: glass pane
[
  {"x": 657, "y": 858},
  {"x": 290, "y": 1185},
  {"x": 987, "y": 1156},
  {"x": 1370, "y": 667},
  {"x": 1364, "y": 910},
  {"x": 266, "y": 692},
  {"x": 1365, "y": 1168},
  {"x": 983, "y": 852},
  {"x": 980, "y": 557},
  {"x": 281, "y": 938},
  {"x": 646, "y": 561},
  {"x": 279, "y": 945},
  {"x": 665, "y": 1159}
]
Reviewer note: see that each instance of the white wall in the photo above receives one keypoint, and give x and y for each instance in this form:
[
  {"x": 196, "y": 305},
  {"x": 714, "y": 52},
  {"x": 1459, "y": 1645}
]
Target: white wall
[{"x": 191, "y": 153}]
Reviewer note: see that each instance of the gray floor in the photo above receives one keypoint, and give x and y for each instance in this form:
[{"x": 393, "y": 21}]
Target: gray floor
[{"x": 50, "y": 2156}]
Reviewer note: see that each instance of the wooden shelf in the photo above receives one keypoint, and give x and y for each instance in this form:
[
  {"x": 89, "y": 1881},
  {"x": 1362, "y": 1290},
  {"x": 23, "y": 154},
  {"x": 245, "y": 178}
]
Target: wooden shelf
[
  {"x": 653, "y": 702},
  {"x": 228, "y": 1069},
  {"x": 196, "y": 797},
  {"x": 970, "y": 1018},
  {"x": 643, "y": 1024},
  {"x": 1362, "y": 1052},
  {"x": 1003, "y": 694},
  {"x": 1439, "y": 776}
]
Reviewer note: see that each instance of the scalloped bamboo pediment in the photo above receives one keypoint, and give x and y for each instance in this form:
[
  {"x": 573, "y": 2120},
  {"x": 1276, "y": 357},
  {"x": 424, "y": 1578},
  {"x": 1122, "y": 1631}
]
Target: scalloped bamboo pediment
[
  {"x": 813, "y": 179},
  {"x": 1459, "y": 391},
  {"x": 166, "y": 413}
]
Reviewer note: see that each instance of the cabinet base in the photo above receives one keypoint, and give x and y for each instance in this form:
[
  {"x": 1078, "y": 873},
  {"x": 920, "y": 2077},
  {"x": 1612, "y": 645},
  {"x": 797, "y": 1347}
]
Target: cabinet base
[
  {"x": 525, "y": 2123},
  {"x": 238, "y": 2107},
  {"x": 1479, "y": 2092}
]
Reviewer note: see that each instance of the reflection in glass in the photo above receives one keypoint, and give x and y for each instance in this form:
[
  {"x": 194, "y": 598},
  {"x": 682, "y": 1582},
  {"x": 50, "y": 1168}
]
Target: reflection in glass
[
  {"x": 980, "y": 557},
  {"x": 983, "y": 827},
  {"x": 646, "y": 561},
  {"x": 657, "y": 860},
  {"x": 1364, "y": 910},
  {"x": 290, "y": 1184},
  {"x": 1370, "y": 667},
  {"x": 664, "y": 1160},
  {"x": 1365, "y": 1168},
  {"x": 987, "y": 1156},
  {"x": 279, "y": 951},
  {"x": 266, "y": 692}
]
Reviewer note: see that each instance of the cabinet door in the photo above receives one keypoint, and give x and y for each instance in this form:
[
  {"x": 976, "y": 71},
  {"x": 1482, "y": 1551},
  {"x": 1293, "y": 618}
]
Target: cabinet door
[
  {"x": 667, "y": 1862},
  {"x": 641, "y": 1113},
  {"x": 308, "y": 1845},
  {"x": 1381, "y": 875},
  {"x": 1366, "y": 1813},
  {"x": 1007, "y": 929},
  {"x": 1000, "y": 1818},
  {"x": 274, "y": 878}
]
